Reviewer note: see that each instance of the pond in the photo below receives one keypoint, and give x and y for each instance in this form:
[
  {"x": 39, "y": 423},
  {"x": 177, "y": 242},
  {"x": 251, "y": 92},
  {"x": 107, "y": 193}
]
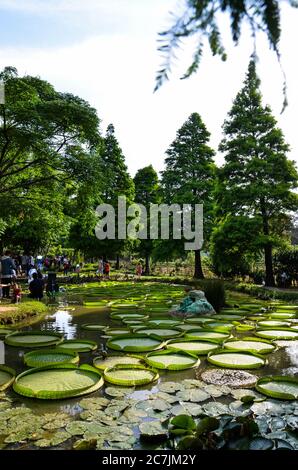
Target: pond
[{"x": 53, "y": 420}]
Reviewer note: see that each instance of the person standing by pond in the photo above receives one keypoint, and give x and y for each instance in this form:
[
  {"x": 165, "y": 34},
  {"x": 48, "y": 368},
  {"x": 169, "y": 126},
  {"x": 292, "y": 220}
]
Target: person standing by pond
[
  {"x": 36, "y": 287},
  {"x": 139, "y": 270},
  {"x": 107, "y": 269},
  {"x": 7, "y": 268}
]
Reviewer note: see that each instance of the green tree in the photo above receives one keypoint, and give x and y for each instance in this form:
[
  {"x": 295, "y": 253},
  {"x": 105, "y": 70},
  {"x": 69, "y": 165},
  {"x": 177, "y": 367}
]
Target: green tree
[
  {"x": 257, "y": 179},
  {"x": 189, "y": 174},
  {"x": 44, "y": 134},
  {"x": 200, "y": 19},
  {"x": 146, "y": 193},
  {"x": 116, "y": 182}
]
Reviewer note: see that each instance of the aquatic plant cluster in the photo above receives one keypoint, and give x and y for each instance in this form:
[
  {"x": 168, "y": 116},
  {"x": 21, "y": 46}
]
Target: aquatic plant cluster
[{"x": 139, "y": 343}]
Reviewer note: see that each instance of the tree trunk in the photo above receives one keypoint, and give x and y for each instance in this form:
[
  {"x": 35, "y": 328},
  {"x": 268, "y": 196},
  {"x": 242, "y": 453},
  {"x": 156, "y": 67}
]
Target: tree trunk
[
  {"x": 147, "y": 264},
  {"x": 269, "y": 276},
  {"x": 198, "y": 265},
  {"x": 117, "y": 262}
]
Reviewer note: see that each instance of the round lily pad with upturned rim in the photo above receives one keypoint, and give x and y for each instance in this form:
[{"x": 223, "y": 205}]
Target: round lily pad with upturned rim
[
  {"x": 134, "y": 343},
  {"x": 219, "y": 326},
  {"x": 287, "y": 307},
  {"x": 243, "y": 328},
  {"x": 171, "y": 360},
  {"x": 235, "y": 311},
  {"x": 79, "y": 345},
  {"x": 159, "y": 333},
  {"x": 117, "y": 331},
  {"x": 46, "y": 357},
  {"x": 253, "y": 345},
  {"x": 58, "y": 381},
  {"x": 94, "y": 327},
  {"x": 200, "y": 320},
  {"x": 204, "y": 334},
  {"x": 115, "y": 359},
  {"x": 272, "y": 324},
  {"x": 199, "y": 347},
  {"x": 228, "y": 316},
  {"x": 129, "y": 316},
  {"x": 162, "y": 322},
  {"x": 280, "y": 333},
  {"x": 233, "y": 359},
  {"x": 129, "y": 375},
  {"x": 33, "y": 339},
  {"x": 282, "y": 315},
  {"x": 282, "y": 387},
  {"x": 7, "y": 377}
]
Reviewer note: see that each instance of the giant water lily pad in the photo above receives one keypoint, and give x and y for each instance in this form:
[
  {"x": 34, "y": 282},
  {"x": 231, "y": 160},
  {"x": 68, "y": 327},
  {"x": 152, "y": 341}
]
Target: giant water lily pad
[
  {"x": 45, "y": 357},
  {"x": 113, "y": 359},
  {"x": 134, "y": 343},
  {"x": 58, "y": 381},
  {"x": 171, "y": 360},
  {"x": 283, "y": 315},
  {"x": 272, "y": 324},
  {"x": 129, "y": 316},
  {"x": 207, "y": 334},
  {"x": 159, "y": 333},
  {"x": 235, "y": 311},
  {"x": 7, "y": 377},
  {"x": 235, "y": 359},
  {"x": 194, "y": 347},
  {"x": 228, "y": 316},
  {"x": 220, "y": 326},
  {"x": 163, "y": 322},
  {"x": 79, "y": 345},
  {"x": 282, "y": 387},
  {"x": 94, "y": 327},
  {"x": 130, "y": 375},
  {"x": 199, "y": 320},
  {"x": 251, "y": 345},
  {"x": 117, "y": 331},
  {"x": 280, "y": 333},
  {"x": 33, "y": 339}
]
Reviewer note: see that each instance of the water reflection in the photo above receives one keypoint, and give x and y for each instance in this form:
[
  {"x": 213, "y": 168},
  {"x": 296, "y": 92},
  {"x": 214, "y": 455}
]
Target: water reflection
[{"x": 62, "y": 321}]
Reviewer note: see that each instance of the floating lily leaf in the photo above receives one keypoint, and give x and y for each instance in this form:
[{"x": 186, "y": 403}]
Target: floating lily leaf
[
  {"x": 85, "y": 444},
  {"x": 238, "y": 408},
  {"x": 165, "y": 396},
  {"x": 187, "y": 408},
  {"x": 5, "y": 331},
  {"x": 240, "y": 393},
  {"x": 282, "y": 387},
  {"x": 250, "y": 345},
  {"x": 236, "y": 360},
  {"x": 58, "y": 381},
  {"x": 96, "y": 403},
  {"x": 78, "y": 345},
  {"x": 153, "y": 430},
  {"x": 215, "y": 409},
  {"x": 7, "y": 377},
  {"x": 130, "y": 374},
  {"x": 268, "y": 407},
  {"x": 118, "y": 392},
  {"x": 33, "y": 339},
  {"x": 204, "y": 334},
  {"x": 260, "y": 443},
  {"x": 76, "y": 428},
  {"x": 193, "y": 395},
  {"x": 172, "y": 361},
  {"x": 193, "y": 347},
  {"x": 159, "y": 404},
  {"x": 280, "y": 333},
  {"x": 94, "y": 327},
  {"x": 134, "y": 343},
  {"x": 46, "y": 357},
  {"x": 170, "y": 387},
  {"x": 113, "y": 359},
  {"x": 159, "y": 333},
  {"x": 272, "y": 323}
]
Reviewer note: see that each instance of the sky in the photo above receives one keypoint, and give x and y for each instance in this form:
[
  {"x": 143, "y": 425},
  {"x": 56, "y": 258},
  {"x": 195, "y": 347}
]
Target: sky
[{"x": 106, "y": 52}]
